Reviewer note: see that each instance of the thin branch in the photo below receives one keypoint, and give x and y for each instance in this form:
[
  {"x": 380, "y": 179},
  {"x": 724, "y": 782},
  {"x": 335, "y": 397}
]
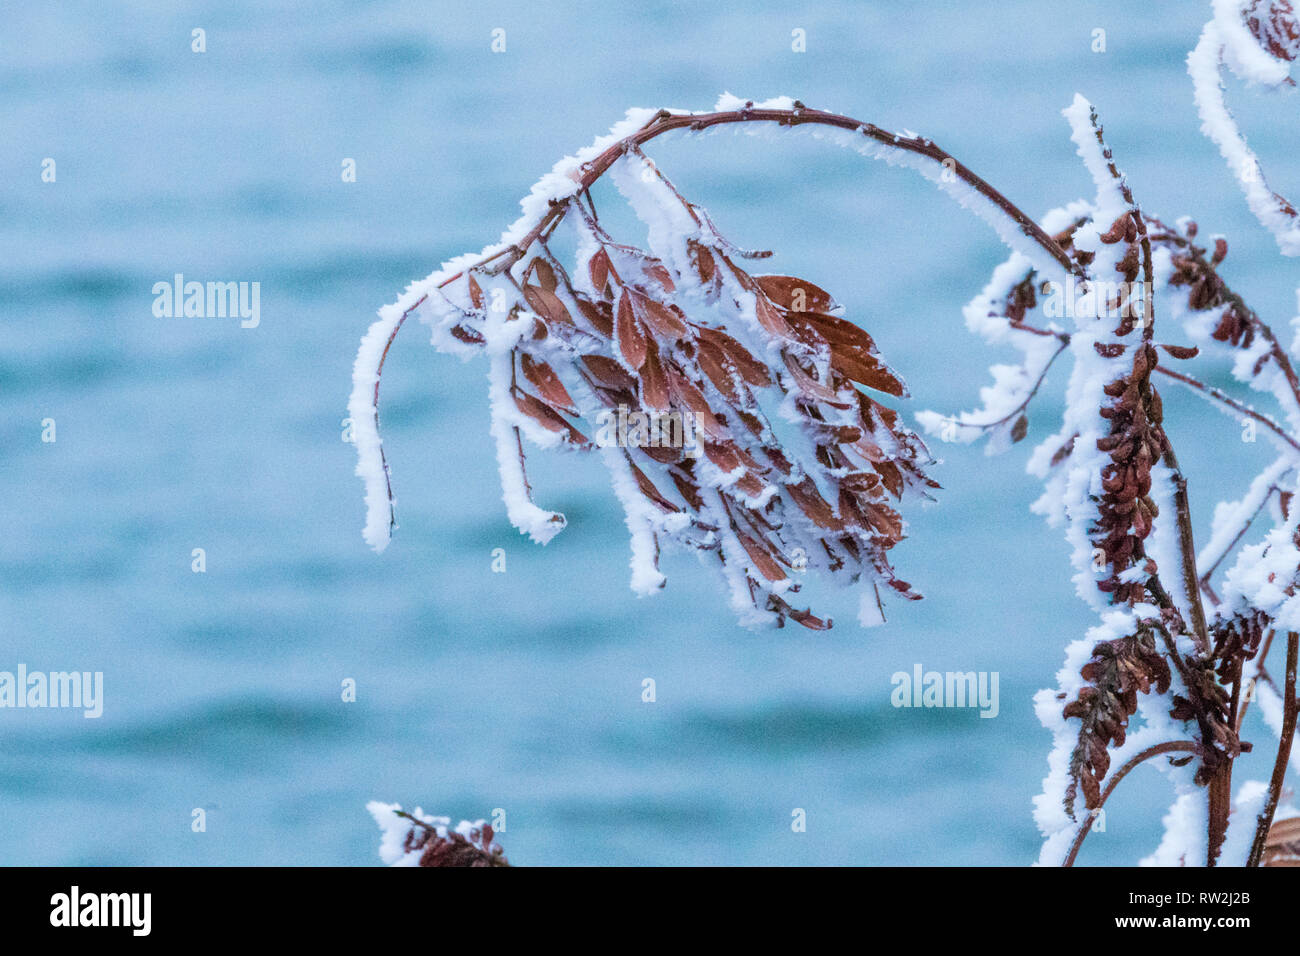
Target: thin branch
[
  {"x": 686, "y": 203},
  {"x": 1260, "y": 674},
  {"x": 1171, "y": 746},
  {"x": 1065, "y": 344},
  {"x": 1232, "y": 545},
  {"x": 664, "y": 121},
  {"x": 1283, "y": 753},
  {"x": 416, "y": 820},
  {"x": 1218, "y": 395},
  {"x": 1207, "y": 392},
  {"x": 519, "y": 443},
  {"x": 1187, "y": 548}
]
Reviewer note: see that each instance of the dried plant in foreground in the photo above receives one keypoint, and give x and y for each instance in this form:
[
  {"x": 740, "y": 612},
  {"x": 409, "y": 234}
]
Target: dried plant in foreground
[
  {"x": 415, "y": 839},
  {"x": 801, "y": 460},
  {"x": 798, "y": 463}
]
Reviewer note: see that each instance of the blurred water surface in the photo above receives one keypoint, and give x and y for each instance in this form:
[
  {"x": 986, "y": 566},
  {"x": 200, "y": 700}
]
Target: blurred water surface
[{"x": 519, "y": 690}]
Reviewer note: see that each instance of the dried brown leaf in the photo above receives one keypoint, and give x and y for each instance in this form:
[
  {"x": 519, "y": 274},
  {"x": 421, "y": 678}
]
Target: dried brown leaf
[
  {"x": 795, "y": 295},
  {"x": 547, "y": 305},
  {"x": 540, "y": 268},
  {"x": 551, "y": 390},
  {"x": 631, "y": 336}
]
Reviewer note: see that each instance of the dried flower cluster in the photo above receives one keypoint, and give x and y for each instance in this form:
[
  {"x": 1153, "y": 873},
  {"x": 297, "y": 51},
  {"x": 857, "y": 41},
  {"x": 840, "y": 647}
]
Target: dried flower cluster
[
  {"x": 451, "y": 848},
  {"x": 1117, "y": 672},
  {"x": 1134, "y": 443}
]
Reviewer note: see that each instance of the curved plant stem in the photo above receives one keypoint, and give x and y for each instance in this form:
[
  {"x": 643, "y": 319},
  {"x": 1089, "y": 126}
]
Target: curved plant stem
[
  {"x": 1172, "y": 746},
  {"x": 1019, "y": 409},
  {"x": 665, "y": 121}
]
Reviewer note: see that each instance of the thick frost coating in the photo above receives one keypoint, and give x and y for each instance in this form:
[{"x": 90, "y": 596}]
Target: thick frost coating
[
  {"x": 1226, "y": 40},
  {"x": 393, "y": 830},
  {"x": 372, "y": 469},
  {"x": 425, "y": 296}
]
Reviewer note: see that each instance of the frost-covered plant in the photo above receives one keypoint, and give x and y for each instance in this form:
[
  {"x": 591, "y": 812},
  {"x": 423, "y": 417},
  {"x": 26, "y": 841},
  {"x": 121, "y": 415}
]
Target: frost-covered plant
[
  {"x": 417, "y": 839},
  {"x": 1258, "y": 41},
  {"x": 804, "y": 465},
  {"x": 800, "y": 467}
]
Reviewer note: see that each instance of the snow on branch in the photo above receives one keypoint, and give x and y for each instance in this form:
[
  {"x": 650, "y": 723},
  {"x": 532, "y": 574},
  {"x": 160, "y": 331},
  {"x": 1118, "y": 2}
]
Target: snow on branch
[
  {"x": 1257, "y": 40},
  {"x": 780, "y": 457},
  {"x": 417, "y": 839}
]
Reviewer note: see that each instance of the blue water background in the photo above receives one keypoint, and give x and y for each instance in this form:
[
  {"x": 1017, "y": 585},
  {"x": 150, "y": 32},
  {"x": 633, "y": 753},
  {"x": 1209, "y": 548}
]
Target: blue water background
[{"x": 520, "y": 690}]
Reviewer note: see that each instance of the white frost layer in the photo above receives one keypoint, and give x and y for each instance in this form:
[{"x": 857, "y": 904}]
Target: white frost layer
[
  {"x": 967, "y": 196},
  {"x": 1263, "y": 575},
  {"x": 639, "y": 515},
  {"x": 365, "y": 433},
  {"x": 394, "y": 829},
  {"x": 1230, "y": 518},
  {"x": 1186, "y": 825},
  {"x": 728, "y": 103},
  {"x": 539, "y": 524},
  {"x": 559, "y": 183},
  {"x": 1251, "y": 796},
  {"x": 1270, "y": 708},
  {"x": 1012, "y": 385},
  {"x": 1083, "y": 133},
  {"x": 1227, "y": 40}
]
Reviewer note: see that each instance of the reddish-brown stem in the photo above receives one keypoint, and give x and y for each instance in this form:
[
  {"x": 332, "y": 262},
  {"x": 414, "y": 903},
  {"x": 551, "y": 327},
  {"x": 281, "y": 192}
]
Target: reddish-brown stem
[
  {"x": 1187, "y": 548},
  {"x": 1261, "y": 657},
  {"x": 1220, "y": 785},
  {"x": 519, "y": 443},
  {"x": 1290, "y": 708},
  {"x": 1227, "y": 400},
  {"x": 1171, "y": 746},
  {"x": 416, "y": 820},
  {"x": 1220, "y": 806},
  {"x": 663, "y": 122}
]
